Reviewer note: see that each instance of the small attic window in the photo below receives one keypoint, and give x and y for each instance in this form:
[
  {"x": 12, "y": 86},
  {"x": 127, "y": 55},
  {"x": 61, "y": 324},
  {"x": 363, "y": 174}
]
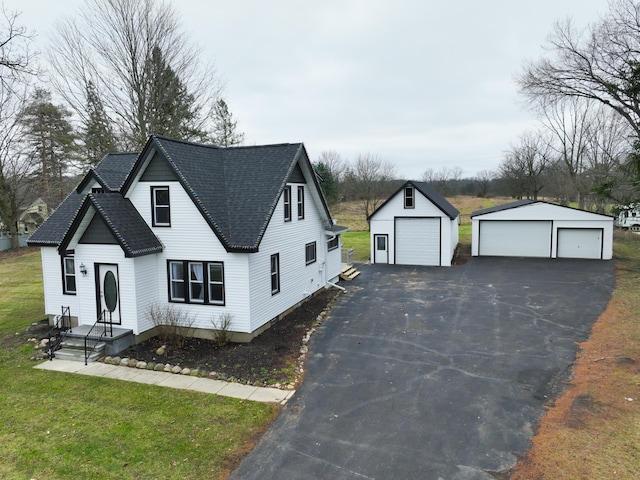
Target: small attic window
[{"x": 409, "y": 197}]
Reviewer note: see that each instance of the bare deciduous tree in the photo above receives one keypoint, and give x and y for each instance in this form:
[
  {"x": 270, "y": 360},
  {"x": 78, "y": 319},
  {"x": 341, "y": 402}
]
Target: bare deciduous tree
[
  {"x": 15, "y": 168},
  {"x": 16, "y": 58},
  {"x": 570, "y": 123},
  {"x": 525, "y": 163},
  {"x": 443, "y": 179},
  {"x": 110, "y": 46},
  {"x": 600, "y": 63},
  {"x": 334, "y": 162},
  {"x": 483, "y": 181},
  {"x": 371, "y": 176}
]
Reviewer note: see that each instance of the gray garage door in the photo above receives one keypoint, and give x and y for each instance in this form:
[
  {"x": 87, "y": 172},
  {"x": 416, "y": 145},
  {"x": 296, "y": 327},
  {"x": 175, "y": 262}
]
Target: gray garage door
[
  {"x": 515, "y": 238},
  {"x": 580, "y": 243},
  {"x": 417, "y": 241}
]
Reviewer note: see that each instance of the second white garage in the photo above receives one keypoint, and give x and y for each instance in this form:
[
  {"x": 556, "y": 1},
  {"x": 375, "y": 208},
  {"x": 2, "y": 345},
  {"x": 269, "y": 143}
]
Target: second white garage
[
  {"x": 531, "y": 228},
  {"x": 415, "y": 226}
]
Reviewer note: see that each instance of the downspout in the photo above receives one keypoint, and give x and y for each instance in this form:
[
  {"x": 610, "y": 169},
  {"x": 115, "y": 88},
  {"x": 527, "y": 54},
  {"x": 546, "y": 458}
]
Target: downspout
[{"x": 337, "y": 286}]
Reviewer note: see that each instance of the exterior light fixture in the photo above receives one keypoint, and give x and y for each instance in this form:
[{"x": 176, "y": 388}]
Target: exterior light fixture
[{"x": 83, "y": 270}]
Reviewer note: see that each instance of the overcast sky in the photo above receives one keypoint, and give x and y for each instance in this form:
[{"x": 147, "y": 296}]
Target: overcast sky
[{"x": 423, "y": 84}]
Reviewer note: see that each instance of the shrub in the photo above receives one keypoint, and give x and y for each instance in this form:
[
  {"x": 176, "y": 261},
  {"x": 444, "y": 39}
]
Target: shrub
[
  {"x": 174, "y": 325},
  {"x": 221, "y": 333}
]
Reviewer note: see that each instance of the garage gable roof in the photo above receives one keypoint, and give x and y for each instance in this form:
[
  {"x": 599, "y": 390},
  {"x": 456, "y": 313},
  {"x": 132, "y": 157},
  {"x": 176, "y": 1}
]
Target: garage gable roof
[
  {"x": 430, "y": 193},
  {"x": 577, "y": 213}
]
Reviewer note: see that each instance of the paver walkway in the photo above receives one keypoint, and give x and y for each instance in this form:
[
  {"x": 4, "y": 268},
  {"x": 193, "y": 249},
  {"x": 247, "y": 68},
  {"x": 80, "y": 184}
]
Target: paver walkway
[{"x": 171, "y": 380}]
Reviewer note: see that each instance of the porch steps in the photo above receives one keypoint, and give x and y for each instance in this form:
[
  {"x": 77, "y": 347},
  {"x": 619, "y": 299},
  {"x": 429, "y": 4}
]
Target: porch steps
[
  {"x": 72, "y": 348},
  {"x": 348, "y": 273}
]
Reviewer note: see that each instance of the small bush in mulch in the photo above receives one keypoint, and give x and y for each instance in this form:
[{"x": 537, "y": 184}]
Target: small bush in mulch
[{"x": 270, "y": 358}]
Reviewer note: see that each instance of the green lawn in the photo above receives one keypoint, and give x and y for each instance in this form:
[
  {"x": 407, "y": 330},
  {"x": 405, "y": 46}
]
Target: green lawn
[
  {"x": 60, "y": 426},
  {"x": 359, "y": 241}
]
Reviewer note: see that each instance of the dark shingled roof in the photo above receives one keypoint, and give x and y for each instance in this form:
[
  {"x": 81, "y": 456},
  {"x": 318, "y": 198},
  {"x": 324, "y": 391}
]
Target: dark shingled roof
[
  {"x": 432, "y": 194},
  {"x": 236, "y": 189},
  {"x": 111, "y": 172},
  {"x": 124, "y": 222},
  {"x": 53, "y": 230},
  {"x": 506, "y": 206}
]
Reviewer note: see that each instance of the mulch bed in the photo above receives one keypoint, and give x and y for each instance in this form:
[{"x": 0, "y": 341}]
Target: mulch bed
[{"x": 270, "y": 358}]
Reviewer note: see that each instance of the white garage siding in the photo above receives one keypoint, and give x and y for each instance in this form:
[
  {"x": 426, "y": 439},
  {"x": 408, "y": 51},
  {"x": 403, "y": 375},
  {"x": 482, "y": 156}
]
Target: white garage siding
[
  {"x": 417, "y": 241},
  {"x": 580, "y": 243},
  {"x": 516, "y": 238}
]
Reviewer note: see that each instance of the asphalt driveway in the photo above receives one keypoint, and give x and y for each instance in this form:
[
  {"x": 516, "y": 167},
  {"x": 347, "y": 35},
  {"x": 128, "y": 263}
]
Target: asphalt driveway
[{"x": 434, "y": 373}]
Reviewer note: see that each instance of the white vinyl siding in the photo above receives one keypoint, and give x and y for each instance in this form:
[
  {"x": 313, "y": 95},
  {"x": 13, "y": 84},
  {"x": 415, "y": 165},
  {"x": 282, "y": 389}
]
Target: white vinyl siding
[
  {"x": 417, "y": 241},
  {"x": 297, "y": 282},
  {"x": 54, "y": 299},
  {"x": 191, "y": 239},
  {"x": 522, "y": 238},
  {"x": 580, "y": 243}
]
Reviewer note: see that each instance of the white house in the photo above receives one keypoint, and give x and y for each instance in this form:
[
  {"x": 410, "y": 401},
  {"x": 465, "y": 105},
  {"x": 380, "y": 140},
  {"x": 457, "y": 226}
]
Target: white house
[
  {"x": 240, "y": 231},
  {"x": 532, "y": 228},
  {"x": 415, "y": 226}
]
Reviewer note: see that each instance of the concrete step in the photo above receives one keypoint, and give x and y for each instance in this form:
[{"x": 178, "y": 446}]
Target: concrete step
[
  {"x": 77, "y": 355},
  {"x": 78, "y": 343}
]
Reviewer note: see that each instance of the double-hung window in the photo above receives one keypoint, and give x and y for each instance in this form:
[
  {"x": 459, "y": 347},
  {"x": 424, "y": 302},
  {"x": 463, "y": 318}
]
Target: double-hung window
[
  {"x": 69, "y": 275},
  {"x": 310, "y": 253},
  {"x": 160, "y": 207},
  {"x": 333, "y": 243},
  {"x": 176, "y": 282},
  {"x": 286, "y": 200},
  {"x": 216, "y": 283},
  {"x": 275, "y": 273},
  {"x": 196, "y": 282},
  {"x": 300, "y": 202},
  {"x": 409, "y": 197}
]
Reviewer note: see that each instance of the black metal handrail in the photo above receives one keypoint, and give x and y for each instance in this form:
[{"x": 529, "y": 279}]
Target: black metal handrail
[
  {"x": 61, "y": 326},
  {"x": 100, "y": 329}
]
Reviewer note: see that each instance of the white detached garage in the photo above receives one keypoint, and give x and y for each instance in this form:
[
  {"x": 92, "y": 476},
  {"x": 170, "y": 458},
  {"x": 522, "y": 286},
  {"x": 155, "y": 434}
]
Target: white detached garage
[
  {"x": 415, "y": 226},
  {"x": 533, "y": 228}
]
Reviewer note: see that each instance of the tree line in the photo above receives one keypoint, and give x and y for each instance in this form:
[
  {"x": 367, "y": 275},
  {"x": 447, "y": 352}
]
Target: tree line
[{"x": 116, "y": 72}]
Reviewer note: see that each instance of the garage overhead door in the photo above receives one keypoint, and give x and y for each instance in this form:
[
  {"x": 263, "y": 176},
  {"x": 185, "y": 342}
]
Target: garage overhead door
[
  {"x": 515, "y": 238},
  {"x": 417, "y": 241},
  {"x": 580, "y": 243}
]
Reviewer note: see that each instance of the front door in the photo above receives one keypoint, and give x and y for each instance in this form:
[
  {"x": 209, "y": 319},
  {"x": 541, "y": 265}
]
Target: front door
[
  {"x": 381, "y": 248},
  {"x": 108, "y": 291}
]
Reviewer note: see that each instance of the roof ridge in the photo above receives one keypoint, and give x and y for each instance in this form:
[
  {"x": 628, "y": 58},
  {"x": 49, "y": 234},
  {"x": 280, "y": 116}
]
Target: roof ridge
[{"x": 218, "y": 147}]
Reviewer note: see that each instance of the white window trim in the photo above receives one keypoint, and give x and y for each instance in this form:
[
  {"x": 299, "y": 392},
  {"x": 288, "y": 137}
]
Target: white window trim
[
  {"x": 154, "y": 207},
  {"x": 66, "y": 274},
  {"x": 300, "y": 202}
]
